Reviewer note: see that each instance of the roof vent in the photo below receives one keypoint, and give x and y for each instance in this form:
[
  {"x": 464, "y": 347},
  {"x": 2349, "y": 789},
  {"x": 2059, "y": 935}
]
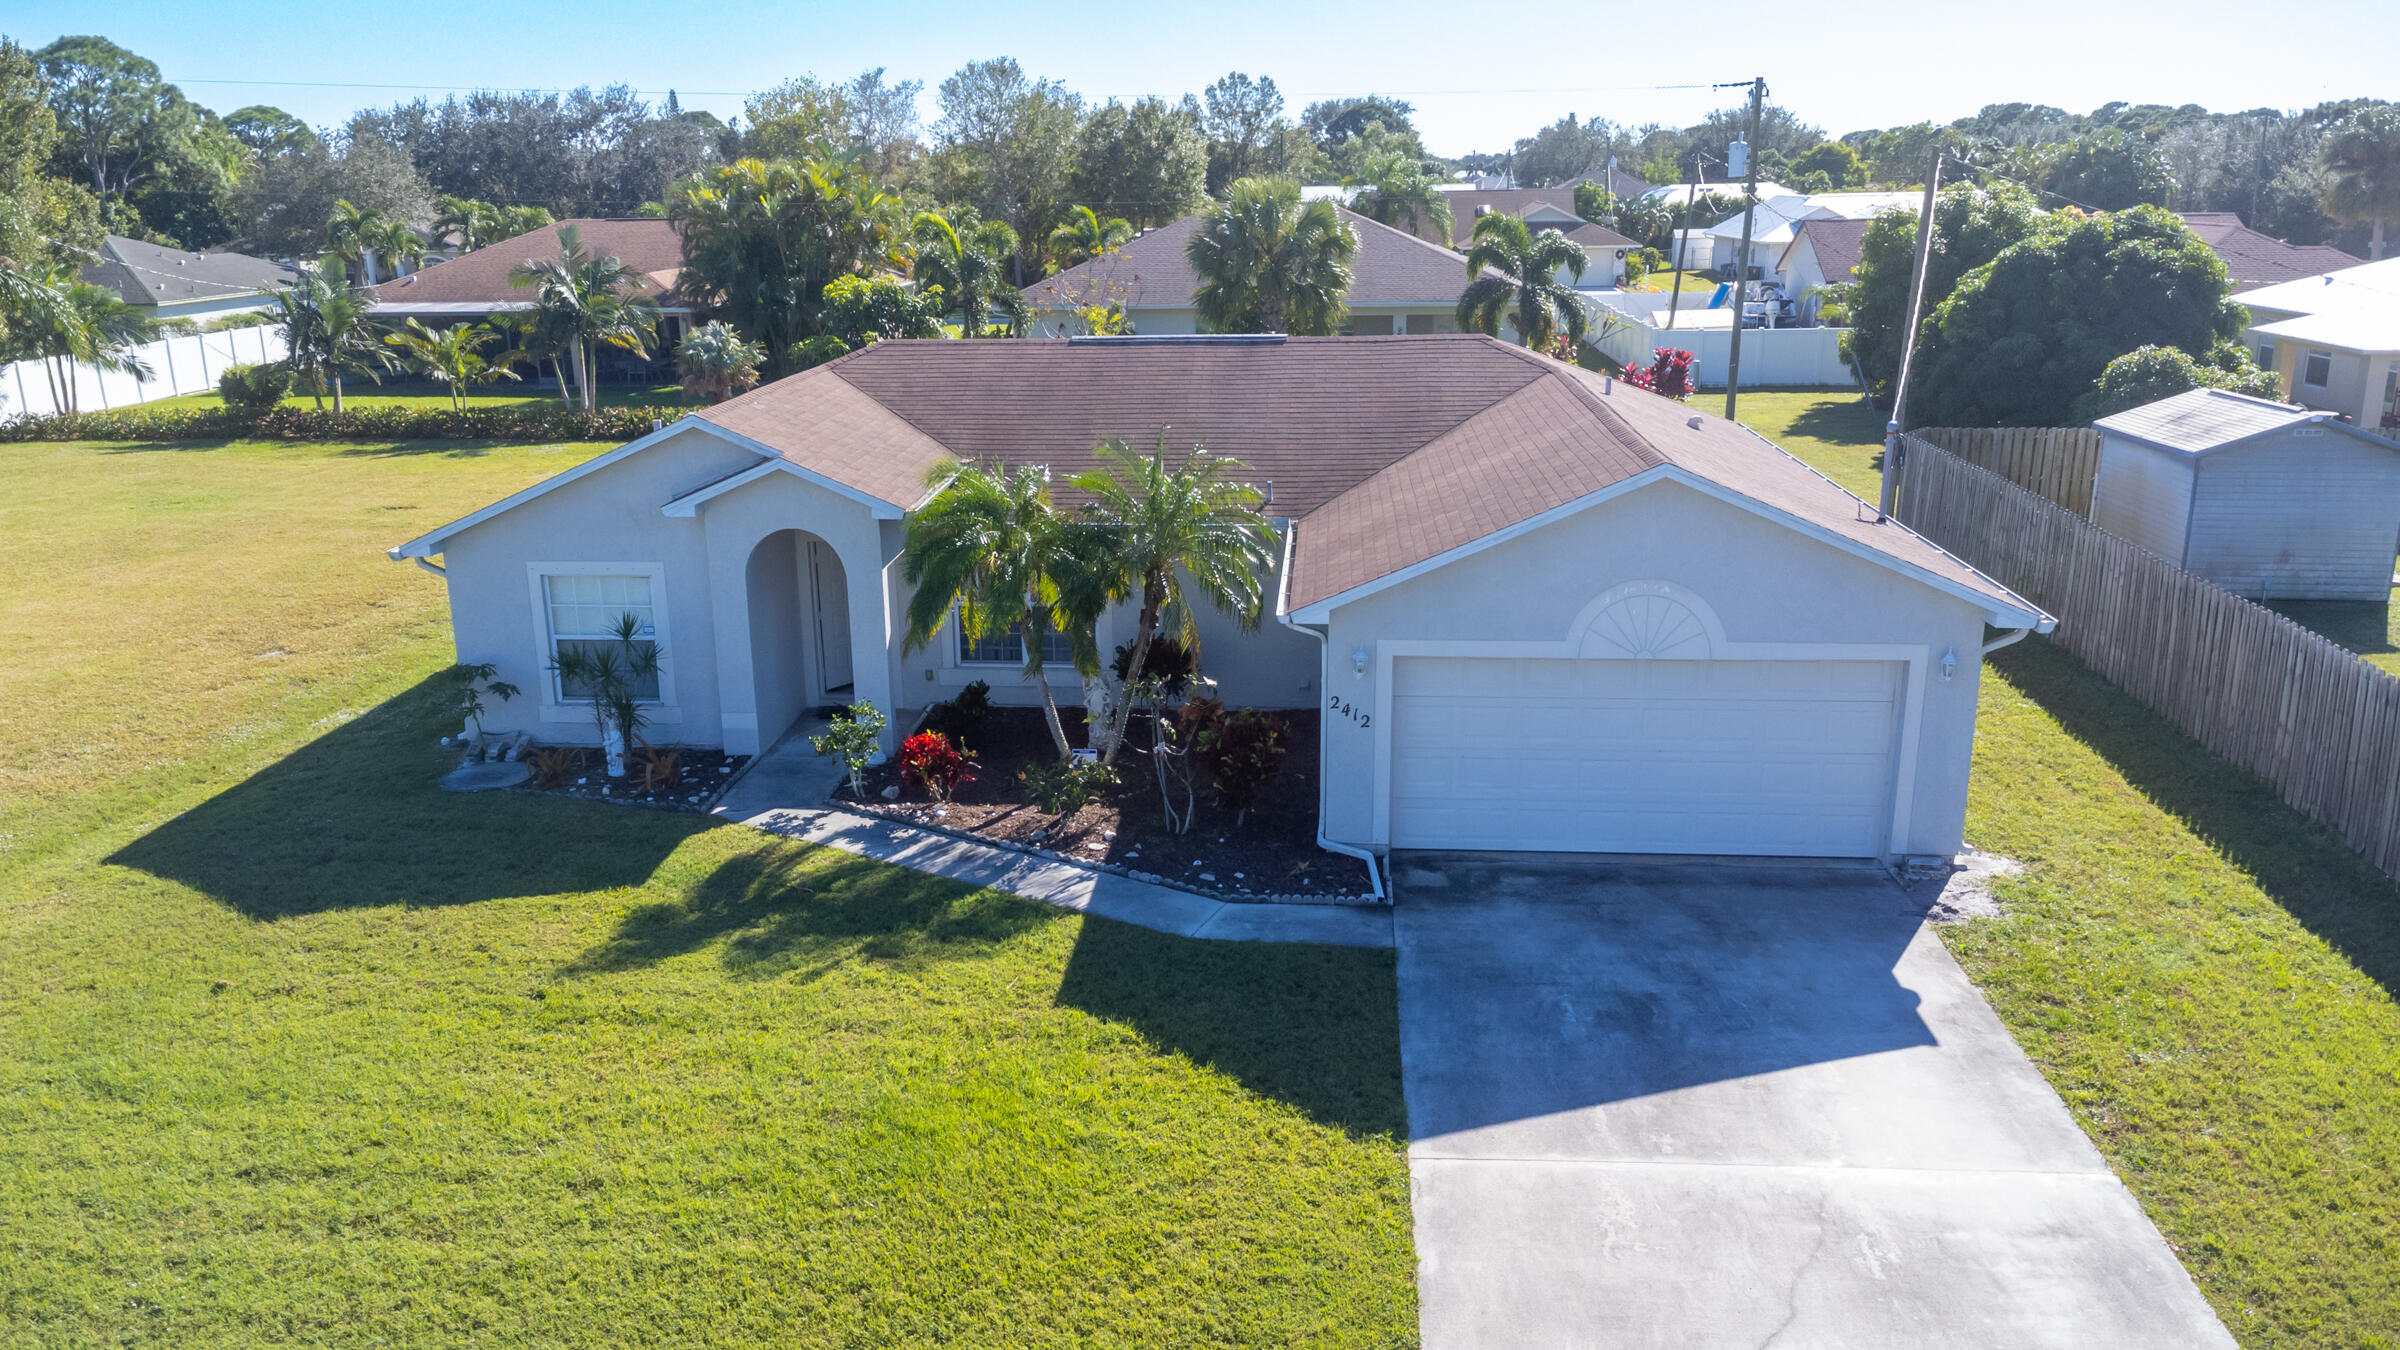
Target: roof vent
[
  {"x": 1182, "y": 340},
  {"x": 1693, "y": 421}
]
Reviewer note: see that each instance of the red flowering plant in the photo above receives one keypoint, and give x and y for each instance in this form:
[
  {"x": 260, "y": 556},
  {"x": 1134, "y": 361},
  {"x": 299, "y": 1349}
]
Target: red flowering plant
[
  {"x": 934, "y": 762},
  {"x": 1669, "y": 374}
]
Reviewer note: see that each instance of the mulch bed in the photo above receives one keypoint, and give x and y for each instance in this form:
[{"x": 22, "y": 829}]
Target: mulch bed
[
  {"x": 700, "y": 778},
  {"x": 1271, "y": 854}
]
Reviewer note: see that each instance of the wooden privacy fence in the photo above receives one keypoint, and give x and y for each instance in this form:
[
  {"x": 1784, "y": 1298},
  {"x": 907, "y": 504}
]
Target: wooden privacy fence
[
  {"x": 2057, "y": 462},
  {"x": 2306, "y": 715}
]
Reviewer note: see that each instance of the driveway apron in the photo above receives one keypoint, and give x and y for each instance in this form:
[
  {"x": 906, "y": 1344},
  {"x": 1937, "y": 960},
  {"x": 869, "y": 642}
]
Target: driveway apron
[{"x": 1741, "y": 1103}]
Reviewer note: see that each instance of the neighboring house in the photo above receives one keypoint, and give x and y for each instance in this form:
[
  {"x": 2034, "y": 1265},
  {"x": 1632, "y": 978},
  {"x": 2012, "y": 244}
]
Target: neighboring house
[
  {"x": 1399, "y": 284},
  {"x": 1775, "y": 220},
  {"x": 1823, "y": 252},
  {"x": 1604, "y": 249},
  {"x": 1537, "y": 609},
  {"x": 2253, "y": 260},
  {"x": 174, "y": 283},
  {"x": 2262, "y": 498},
  {"x": 474, "y": 287},
  {"x": 2335, "y": 340}
]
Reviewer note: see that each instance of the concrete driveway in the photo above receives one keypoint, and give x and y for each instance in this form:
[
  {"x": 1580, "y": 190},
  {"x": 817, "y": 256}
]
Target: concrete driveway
[{"x": 1741, "y": 1104}]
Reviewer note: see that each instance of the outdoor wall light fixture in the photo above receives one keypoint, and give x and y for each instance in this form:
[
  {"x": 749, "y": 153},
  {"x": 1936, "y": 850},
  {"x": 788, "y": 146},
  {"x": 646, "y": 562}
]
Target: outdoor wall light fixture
[
  {"x": 1358, "y": 660},
  {"x": 1949, "y": 666}
]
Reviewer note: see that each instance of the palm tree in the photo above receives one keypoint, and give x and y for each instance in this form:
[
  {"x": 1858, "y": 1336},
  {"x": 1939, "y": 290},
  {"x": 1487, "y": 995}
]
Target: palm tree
[
  {"x": 453, "y": 356},
  {"x": 1086, "y": 236},
  {"x": 583, "y": 301},
  {"x": 2364, "y": 155},
  {"x": 62, "y": 322},
  {"x": 1156, "y": 530},
  {"x": 992, "y": 547},
  {"x": 1269, "y": 262},
  {"x": 1397, "y": 189},
  {"x": 715, "y": 363},
  {"x": 968, "y": 258},
  {"x": 358, "y": 237},
  {"x": 1527, "y": 291},
  {"x": 761, "y": 242},
  {"x": 326, "y": 332},
  {"x": 472, "y": 221}
]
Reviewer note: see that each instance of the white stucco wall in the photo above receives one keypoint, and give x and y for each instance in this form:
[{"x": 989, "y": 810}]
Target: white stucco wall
[
  {"x": 2143, "y": 495},
  {"x": 2306, "y": 513},
  {"x": 1766, "y": 583}
]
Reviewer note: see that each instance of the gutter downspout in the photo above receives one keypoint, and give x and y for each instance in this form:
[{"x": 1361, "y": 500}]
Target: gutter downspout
[
  {"x": 436, "y": 568},
  {"x": 2009, "y": 638},
  {"x": 1283, "y": 616}
]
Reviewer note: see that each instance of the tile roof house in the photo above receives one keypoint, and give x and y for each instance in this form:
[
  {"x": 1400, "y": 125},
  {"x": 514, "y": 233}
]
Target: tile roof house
[
  {"x": 2253, "y": 259},
  {"x": 1823, "y": 252},
  {"x": 2335, "y": 340},
  {"x": 1536, "y": 608},
  {"x": 1551, "y": 208},
  {"x": 1399, "y": 284},
  {"x": 2262, "y": 498},
  {"x": 174, "y": 283}
]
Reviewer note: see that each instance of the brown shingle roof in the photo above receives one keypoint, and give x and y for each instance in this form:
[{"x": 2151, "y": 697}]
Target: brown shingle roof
[
  {"x": 1465, "y": 206},
  {"x": 650, "y": 247},
  {"x": 1391, "y": 267},
  {"x": 1837, "y": 244},
  {"x": 1386, "y": 452},
  {"x": 2253, "y": 259}
]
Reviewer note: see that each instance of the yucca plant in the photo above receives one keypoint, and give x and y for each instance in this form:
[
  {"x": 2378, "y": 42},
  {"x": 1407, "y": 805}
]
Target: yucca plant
[
  {"x": 716, "y": 363},
  {"x": 611, "y": 672}
]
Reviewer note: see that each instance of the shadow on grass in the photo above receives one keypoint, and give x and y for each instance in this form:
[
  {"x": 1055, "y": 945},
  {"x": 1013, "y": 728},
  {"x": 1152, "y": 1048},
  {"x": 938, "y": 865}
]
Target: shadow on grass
[
  {"x": 353, "y": 819},
  {"x": 1318, "y": 1027},
  {"x": 1854, "y": 422},
  {"x": 2302, "y": 866},
  {"x": 782, "y": 907},
  {"x": 2364, "y": 627},
  {"x": 372, "y": 450}
]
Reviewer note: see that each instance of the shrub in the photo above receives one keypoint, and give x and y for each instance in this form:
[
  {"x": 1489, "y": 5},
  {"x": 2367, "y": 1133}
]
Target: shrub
[
  {"x": 964, "y": 715},
  {"x": 2148, "y": 374},
  {"x": 254, "y": 388},
  {"x": 1637, "y": 265},
  {"x": 853, "y": 738},
  {"x": 1169, "y": 662},
  {"x": 1668, "y": 375},
  {"x": 553, "y": 764},
  {"x": 662, "y": 770},
  {"x": 468, "y": 685},
  {"x": 1063, "y": 789},
  {"x": 1239, "y": 749},
  {"x": 934, "y": 762},
  {"x": 533, "y": 423}
]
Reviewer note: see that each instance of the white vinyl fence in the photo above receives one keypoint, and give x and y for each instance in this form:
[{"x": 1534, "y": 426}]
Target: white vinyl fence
[
  {"x": 178, "y": 365},
  {"x": 1805, "y": 358}
]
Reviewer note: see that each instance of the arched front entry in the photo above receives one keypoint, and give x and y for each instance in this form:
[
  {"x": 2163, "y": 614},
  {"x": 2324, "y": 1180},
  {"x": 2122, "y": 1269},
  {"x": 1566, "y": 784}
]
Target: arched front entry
[{"x": 799, "y": 611}]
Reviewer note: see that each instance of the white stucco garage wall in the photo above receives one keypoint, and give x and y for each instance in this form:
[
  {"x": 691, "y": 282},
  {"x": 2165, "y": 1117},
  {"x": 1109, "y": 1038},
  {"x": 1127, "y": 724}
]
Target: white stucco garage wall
[{"x": 1766, "y": 584}]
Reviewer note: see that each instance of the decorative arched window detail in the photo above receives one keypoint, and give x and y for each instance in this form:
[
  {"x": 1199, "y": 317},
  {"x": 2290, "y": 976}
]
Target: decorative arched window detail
[{"x": 1653, "y": 619}]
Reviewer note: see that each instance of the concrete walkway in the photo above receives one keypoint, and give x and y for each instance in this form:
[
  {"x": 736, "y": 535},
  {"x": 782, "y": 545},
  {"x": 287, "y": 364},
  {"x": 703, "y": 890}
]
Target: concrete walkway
[
  {"x": 1692, "y": 1104},
  {"x": 786, "y": 791}
]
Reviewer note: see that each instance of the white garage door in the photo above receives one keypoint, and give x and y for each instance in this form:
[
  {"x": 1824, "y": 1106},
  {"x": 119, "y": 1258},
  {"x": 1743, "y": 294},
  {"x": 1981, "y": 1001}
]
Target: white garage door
[{"x": 1789, "y": 758}]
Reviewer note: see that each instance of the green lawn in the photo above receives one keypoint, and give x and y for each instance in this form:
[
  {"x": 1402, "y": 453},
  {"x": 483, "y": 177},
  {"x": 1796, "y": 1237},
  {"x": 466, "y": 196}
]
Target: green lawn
[
  {"x": 2210, "y": 982},
  {"x": 294, "y": 1048},
  {"x": 1667, "y": 281},
  {"x": 1836, "y": 431},
  {"x": 2371, "y": 630},
  {"x": 422, "y": 394}
]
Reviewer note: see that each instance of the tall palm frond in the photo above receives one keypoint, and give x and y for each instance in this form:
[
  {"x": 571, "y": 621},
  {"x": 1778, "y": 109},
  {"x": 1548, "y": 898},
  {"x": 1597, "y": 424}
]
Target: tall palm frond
[
  {"x": 1086, "y": 236},
  {"x": 968, "y": 258},
  {"x": 1269, "y": 262},
  {"x": 1526, "y": 291}
]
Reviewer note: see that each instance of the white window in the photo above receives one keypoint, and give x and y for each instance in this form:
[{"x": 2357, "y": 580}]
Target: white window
[
  {"x": 586, "y": 612},
  {"x": 2318, "y": 370},
  {"x": 1009, "y": 649}
]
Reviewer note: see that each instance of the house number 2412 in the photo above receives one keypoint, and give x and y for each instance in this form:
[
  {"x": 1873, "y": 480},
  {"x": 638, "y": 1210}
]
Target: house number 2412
[{"x": 1335, "y": 705}]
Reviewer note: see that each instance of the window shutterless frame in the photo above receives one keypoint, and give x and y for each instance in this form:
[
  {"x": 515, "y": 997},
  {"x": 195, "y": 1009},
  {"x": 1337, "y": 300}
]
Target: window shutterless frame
[{"x": 584, "y": 600}]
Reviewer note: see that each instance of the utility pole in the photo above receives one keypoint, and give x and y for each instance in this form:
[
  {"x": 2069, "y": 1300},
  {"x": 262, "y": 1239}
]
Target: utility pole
[
  {"x": 1741, "y": 266},
  {"x": 1892, "y": 430},
  {"x": 1683, "y": 239}
]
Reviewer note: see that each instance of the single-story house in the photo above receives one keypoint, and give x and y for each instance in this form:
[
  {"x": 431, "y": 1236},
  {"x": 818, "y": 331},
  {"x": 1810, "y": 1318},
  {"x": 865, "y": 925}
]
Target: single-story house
[
  {"x": 1823, "y": 252},
  {"x": 2262, "y": 498},
  {"x": 1772, "y": 224},
  {"x": 1535, "y": 608},
  {"x": 1604, "y": 249},
  {"x": 1399, "y": 284},
  {"x": 2253, "y": 259},
  {"x": 174, "y": 283},
  {"x": 474, "y": 287},
  {"x": 2335, "y": 340}
]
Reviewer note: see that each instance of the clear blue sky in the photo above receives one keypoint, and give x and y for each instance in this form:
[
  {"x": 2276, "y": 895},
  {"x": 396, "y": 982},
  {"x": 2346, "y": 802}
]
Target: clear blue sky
[{"x": 1840, "y": 66}]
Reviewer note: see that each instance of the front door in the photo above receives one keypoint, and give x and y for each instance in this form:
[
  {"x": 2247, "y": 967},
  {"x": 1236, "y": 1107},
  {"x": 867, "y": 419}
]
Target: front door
[{"x": 829, "y": 593}]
